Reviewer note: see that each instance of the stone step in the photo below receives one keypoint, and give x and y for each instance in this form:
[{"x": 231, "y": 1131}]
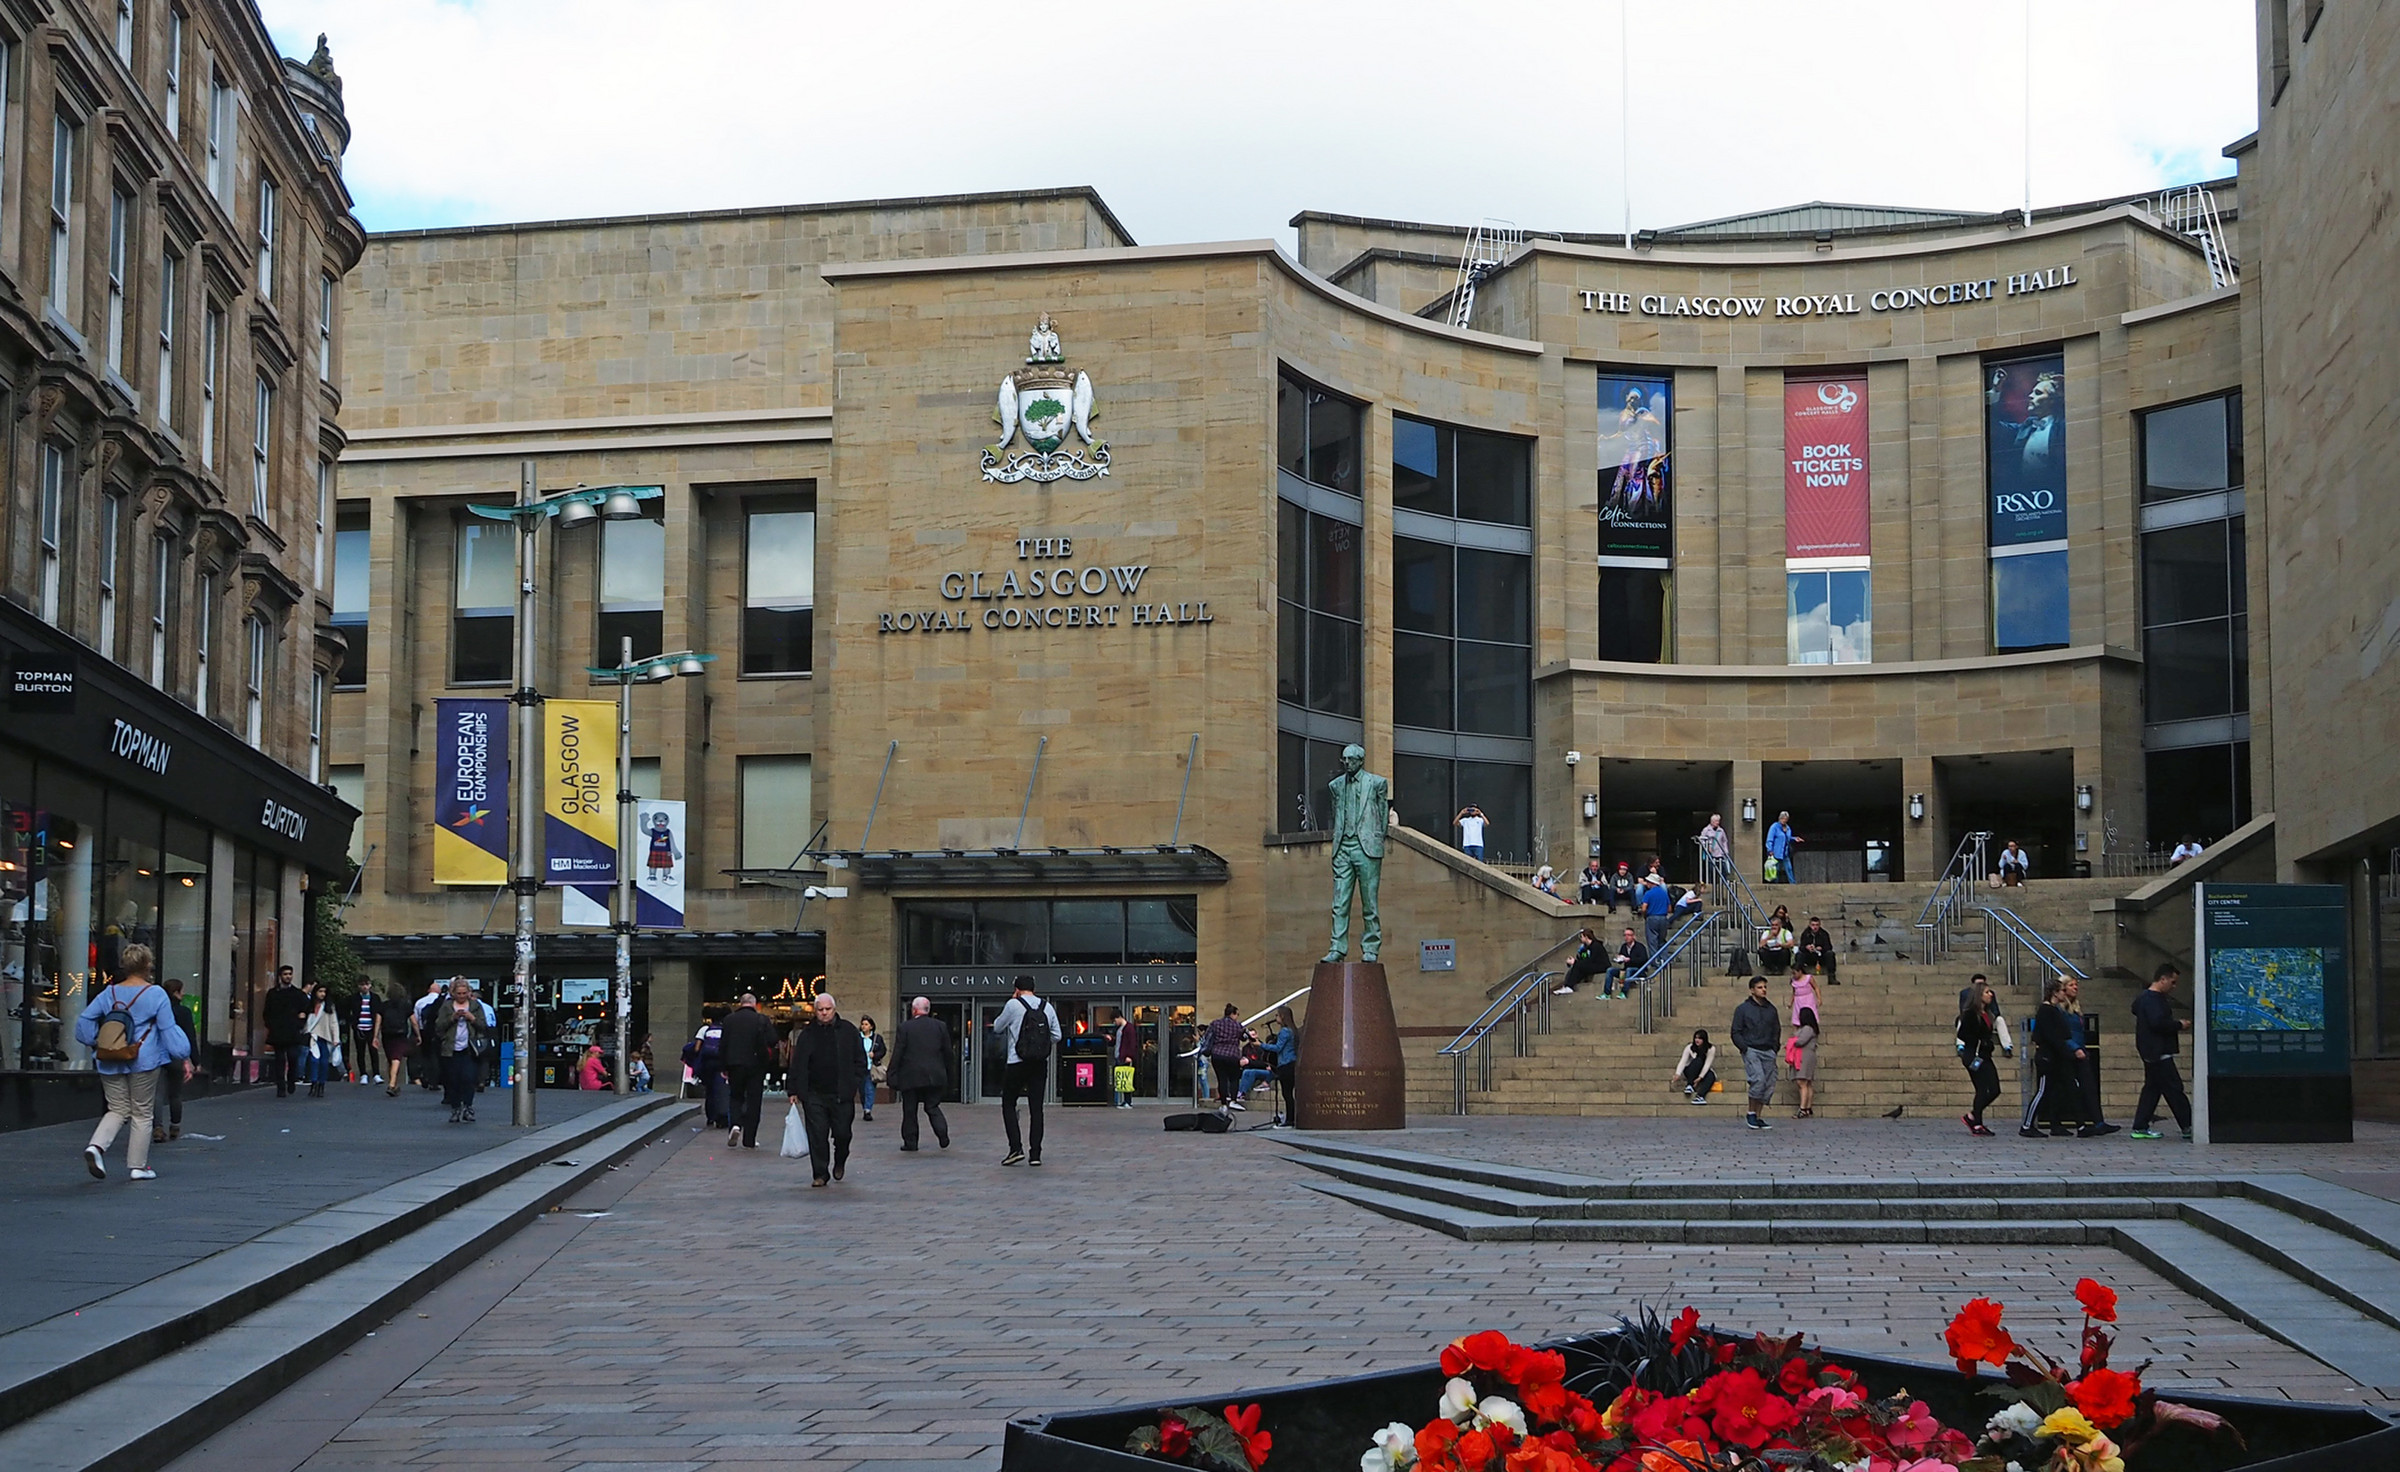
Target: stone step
[
  {"x": 2223, "y": 1274},
  {"x": 2334, "y": 1264}
]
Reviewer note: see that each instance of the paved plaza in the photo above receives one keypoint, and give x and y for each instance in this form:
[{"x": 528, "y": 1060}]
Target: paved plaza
[{"x": 707, "y": 1306}]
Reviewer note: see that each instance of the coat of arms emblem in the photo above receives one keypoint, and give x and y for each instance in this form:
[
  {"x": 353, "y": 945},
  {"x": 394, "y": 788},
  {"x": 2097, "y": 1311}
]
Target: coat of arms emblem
[{"x": 1047, "y": 406}]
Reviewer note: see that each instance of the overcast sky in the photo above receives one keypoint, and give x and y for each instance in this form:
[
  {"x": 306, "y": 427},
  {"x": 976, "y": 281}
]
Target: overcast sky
[{"x": 1220, "y": 121}]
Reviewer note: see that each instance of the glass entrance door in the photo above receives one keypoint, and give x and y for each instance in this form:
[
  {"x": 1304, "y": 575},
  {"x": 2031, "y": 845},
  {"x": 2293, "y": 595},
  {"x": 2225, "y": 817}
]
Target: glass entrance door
[
  {"x": 988, "y": 1059},
  {"x": 953, "y": 1015}
]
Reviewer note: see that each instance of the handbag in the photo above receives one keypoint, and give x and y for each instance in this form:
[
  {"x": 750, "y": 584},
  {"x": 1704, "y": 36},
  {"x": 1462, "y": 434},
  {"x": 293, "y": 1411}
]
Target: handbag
[
  {"x": 795, "y": 1135},
  {"x": 1791, "y": 1052}
]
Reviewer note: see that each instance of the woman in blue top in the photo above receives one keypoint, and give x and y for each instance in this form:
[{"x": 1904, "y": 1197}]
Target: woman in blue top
[
  {"x": 130, "y": 1085},
  {"x": 1284, "y": 1048}
]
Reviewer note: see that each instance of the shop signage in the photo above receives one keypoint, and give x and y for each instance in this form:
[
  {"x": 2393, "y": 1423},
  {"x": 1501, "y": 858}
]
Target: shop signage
[
  {"x": 129, "y": 742},
  {"x": 470, "y": 792},
  {"x": 1836, "y": 304},
  {"x": 579, "y": 792},
  {"x": 1052, "y": 981},
  {"x": 41, "y": 682},
  {"x": 1825, "y": 468},
  {"x": 1041, "y": 405},
  {"x": 1059, "y": 588}
]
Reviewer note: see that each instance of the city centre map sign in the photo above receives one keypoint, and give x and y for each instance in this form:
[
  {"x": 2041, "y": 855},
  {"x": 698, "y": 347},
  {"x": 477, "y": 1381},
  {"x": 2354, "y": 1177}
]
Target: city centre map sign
[{"x": 2272, "y": 1003}]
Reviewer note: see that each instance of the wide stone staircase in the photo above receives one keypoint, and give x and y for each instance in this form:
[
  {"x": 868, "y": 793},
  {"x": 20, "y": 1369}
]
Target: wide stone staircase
[{"x": 1887, "y": 1023}]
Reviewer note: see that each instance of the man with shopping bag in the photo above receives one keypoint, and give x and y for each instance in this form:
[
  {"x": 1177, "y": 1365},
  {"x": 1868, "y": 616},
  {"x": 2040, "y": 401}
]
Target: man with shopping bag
[{"x": 827, "y": 1064}]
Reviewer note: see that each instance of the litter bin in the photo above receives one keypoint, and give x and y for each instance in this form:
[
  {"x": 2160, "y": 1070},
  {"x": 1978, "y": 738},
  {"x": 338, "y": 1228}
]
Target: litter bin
[
  {"x": 1083, "y": 1067},
  {"x": 2089, "y": 1070}
]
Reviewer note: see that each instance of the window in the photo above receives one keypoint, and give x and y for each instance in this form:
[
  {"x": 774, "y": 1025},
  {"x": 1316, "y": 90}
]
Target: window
[
  {"x": 324, "y": 573},
  {"x": 120, "y": 222},
  {"x": 111, "y": 511},
  {"x": 350, "y": 597},
  {"x": 1317, "y": 435},
  {"x": 2195, "y": 622},
  {"x": 1461, "y": 473},
  {"x": 2192, "y": 449},
  {"x": 125, "y": 31},
  {"x": 174, "y": 100},
  {"x": 1637, "y": 614},
  {"x": 2025, "y": 457},
  {"x": 54, "y": 501},
  {"x": 1827, "y": 618},
  {"x": 65, "y": 138},
  {"x": 1164, "y": 931},
  {"x": 267, "y": 199},
  {"x": 349, "y": 783},
  {"x": 775, "y": 809},
  {"x": 254, "y": 683},
  {"x": 779, "y": 573},
  {"x": 204, "y": 626},
  {"x": 262, "y": 450},
  {"x": 1429, "y": 791},
  {"x": 1462, "y": 655},
  {"x": 1318, "y": 612},
  {"x": 633, "y": 588},
  {"x": 2200, "y": 792},
  {"x": 220, "y": 137},
  {"x": 170, "y": 281},
  {"x": 325, "y": 288},
  {"x": 162, "y": 591},
  {"x": 483, "y": 624},
  {"x": 316, "y": 727},
  {"x": 212, "y": 362}
]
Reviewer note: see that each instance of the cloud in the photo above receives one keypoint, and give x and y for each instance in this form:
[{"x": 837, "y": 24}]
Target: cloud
[{"x": 1220, "y": 121}]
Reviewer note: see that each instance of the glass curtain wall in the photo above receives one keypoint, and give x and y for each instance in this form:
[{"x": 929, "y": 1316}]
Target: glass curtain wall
[
  {"x": 2195, "y": 621},
  {"x": 1320, "y": 617}
]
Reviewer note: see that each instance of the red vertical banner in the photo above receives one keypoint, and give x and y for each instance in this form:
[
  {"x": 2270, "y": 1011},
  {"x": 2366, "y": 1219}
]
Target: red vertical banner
[{"x": 1825, "y": 468}]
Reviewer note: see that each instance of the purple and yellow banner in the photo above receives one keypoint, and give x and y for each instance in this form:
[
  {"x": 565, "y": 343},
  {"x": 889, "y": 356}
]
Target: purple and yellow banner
[
  {"x": 579, "y": 792},
  {"x": 470, "y": 792}
]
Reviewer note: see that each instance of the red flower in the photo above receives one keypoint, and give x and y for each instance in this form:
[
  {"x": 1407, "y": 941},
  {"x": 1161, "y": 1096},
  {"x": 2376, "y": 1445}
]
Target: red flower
[
  {"x": 1547, "y": 1454},
  {"x": 2098, "y": 1302},
  {"x": 1546, "y": 1402},
  {"x": 1975, "y": 1336},
  {"x": 1680, "y": 1332},
  {"x": 1476, "y": 1449},
  {"x": 1675, "y": 1456},
  {"x": 1435, "y": 1443},
  {"x": 1244, "y": 1421},
  {"x": 1726, "y": 1351},
  {"x": 1174, "y": 1438},
  {"x": 1667, "y": 1418},
  {"x": 1742, "y": 1410},
  {"x": 1488, "y": 1350},
  {"x": 2105, "y": 1397},
  {"x": 1527, "y": 1368},
  {"x": 1796, "y": 1378}
]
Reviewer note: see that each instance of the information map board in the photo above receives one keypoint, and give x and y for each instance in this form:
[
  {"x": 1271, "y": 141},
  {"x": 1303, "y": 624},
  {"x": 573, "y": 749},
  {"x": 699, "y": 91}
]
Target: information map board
[{"x": 2274, "y": 1004}]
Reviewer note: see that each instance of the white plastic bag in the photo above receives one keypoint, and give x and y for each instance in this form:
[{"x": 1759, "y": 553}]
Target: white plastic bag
[{"x": 795, "y": 1136}]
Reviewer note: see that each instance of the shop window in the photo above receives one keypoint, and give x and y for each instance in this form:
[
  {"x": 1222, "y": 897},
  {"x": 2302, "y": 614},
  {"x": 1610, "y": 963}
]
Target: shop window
[
  {"x": 1827, "y": 618},
  {"x": 1461, "y": 473},
  {"x": 2025, "y": 455},
  {"x": 775, "y": 810},
  {"x": 1087, "y": 932},
  {"x": 779, "y": 589},
  {"x": 2192, "y": 449},
  {"x": 350, "y": 535},
  {"x": 1162, "y": 932},
  {"x": 1318, "y": 435},
  {"x": 1636, "y": 614},
  {"x": 633, "y": 588},
  {"x": 483, "y": 622},
  {"x": 183, "y": 949}
]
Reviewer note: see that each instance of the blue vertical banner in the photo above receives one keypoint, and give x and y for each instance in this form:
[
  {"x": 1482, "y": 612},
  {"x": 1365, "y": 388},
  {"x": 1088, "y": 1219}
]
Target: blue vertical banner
[
  {"x": 658, "y": 851},
  {"x": 470, "y": 792}
]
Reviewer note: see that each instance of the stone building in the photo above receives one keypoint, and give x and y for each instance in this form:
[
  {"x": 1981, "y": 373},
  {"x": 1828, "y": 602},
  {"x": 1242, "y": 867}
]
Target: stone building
[{"x": 173, "y": 229}]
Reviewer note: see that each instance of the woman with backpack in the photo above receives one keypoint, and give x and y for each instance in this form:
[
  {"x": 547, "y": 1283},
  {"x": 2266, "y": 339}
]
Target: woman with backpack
[{"x": 130, "y": 1028}]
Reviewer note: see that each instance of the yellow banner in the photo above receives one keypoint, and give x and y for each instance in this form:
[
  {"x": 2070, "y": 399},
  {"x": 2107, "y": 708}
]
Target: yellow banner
[{"x": 579, "y": 792}]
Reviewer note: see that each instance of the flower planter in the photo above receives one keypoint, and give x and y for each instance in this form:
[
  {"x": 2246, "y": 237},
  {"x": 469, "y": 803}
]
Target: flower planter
[{"x": 1324, "y": 1427}]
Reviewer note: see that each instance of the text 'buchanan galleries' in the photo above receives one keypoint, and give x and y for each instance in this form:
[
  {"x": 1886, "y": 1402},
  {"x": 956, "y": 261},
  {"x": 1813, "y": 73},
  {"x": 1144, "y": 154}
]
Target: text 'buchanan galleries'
[{"x": 1057, "y": 594}]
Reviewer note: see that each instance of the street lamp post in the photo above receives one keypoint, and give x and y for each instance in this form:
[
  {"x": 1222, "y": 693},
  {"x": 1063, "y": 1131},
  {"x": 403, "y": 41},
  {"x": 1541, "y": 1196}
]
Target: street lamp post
[
  {"x": 628, "y": 673},
  {"x": 573, "y": 507}
]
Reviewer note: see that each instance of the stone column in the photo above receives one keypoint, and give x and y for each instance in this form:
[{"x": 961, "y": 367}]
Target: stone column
[
  {"x": 1926, "y": 852},
  {"x": 1747, "y": 779}
]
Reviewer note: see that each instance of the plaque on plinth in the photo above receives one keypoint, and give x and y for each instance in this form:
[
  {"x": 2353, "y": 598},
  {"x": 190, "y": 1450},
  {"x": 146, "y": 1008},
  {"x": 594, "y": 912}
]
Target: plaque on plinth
[{"x": 1351, "y": 1074}]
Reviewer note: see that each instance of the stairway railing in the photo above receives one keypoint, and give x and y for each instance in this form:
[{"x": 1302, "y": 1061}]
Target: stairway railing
[
  {"x": 1954, "y": 898},
  {"x": 1522, "y": 999},
  {"x": 2008, "y": 938},
  {"x": 1727, "y": 877},
  {"x": 1686, "y": 947}
]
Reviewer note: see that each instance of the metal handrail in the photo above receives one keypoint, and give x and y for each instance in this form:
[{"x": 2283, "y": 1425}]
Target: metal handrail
[
  {"x": 1736, "y": 889},
  {"x": 2022, "y": 937},
  {"x": 1522, "y": 991},
  {"x": 1951, "y": 898},
  {"x": 1658, "y": 1000}
]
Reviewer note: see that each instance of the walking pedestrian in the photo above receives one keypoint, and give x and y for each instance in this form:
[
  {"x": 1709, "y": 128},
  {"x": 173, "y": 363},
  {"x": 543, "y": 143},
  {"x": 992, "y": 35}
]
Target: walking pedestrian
[
  {"x": 1780, "y": 839},
  {"x": 1285, "y": 1053},
  {"x": 1977, "y": 1034},
  {"x": 877, "y": 1052},
  {"x": 745, "y": 1045},
  {"x": 362, "y": 1038},
  {"x": 323, "y": 1032},
  {"x": 1757, "y": 1030},
  {"x": 427, "y": 1070},
  {"x": 826, "y": 1065},
  {"x": 1696, "y": 1070},
  {"x": 702, "y": 1056},
  {"x": 1126, "y": 1057},
  {"x": 396, "y": 1032},
  {"x": 171, "y": 1079},
  {"x": 459, "y": 1035},
  {"x": 923, "y": 1068},
  {"x": 1025, "y": 1032},
  {"x": 130, "y": 1027},
  {"x": 2090, "y": 1110},
  {"x": 1223, "y": 1044},
  {"x": 285, "y": 1012},
  {"x": 1804, "y": 994},
  {"x": 1716, "y": 849},
  {"x": 2157, "y": 1034},
  {"x": 1801, "y": 1054},
  {"x": 2057, "y": 1090}
]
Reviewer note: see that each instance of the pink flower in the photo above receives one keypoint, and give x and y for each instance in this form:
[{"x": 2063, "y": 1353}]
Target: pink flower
[
  {"x": 1915, "y": 1430},
  {"x": 1831, "y": 1400}
]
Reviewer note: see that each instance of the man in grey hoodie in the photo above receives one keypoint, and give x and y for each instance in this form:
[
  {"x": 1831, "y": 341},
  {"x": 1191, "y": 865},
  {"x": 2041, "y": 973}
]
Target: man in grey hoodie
[
  {"x": 1024, "y": 1077},
  {"x": 1757, "y": 1032}
]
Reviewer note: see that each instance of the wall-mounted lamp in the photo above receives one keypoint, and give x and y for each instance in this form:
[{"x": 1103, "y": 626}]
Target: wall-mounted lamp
[
  {"x": 1916, "y": 807},
  {"x": 1591, "y": 805},
  {"x": 2083, "y": 798},
  {"x": 1749, "y": 809}
]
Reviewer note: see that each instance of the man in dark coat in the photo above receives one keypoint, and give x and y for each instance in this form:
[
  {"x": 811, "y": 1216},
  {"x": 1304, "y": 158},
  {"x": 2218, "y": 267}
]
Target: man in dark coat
[
  {"x": 924, "y": 1065},
  {"x": 827, "y": 1064},
  {"x": 746, "y": 1049},
  {"x": 285, "y": 1012}
]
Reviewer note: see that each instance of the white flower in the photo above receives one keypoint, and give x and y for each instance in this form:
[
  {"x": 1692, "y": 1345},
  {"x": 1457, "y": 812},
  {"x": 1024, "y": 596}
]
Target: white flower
[
  {"x": 2019, "y": 1419},
  {"x": 1395, "y": 1450},
  {"x": 2013, "y": 1467},
  {"x": 1458, "y": 1399},
  {"x": 1498, "y": 1410}
]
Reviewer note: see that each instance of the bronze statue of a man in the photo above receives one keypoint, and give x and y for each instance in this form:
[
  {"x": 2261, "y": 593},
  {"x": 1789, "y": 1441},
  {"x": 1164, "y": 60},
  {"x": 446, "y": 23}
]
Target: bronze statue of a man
[{"x": 1361, "y": 805}]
